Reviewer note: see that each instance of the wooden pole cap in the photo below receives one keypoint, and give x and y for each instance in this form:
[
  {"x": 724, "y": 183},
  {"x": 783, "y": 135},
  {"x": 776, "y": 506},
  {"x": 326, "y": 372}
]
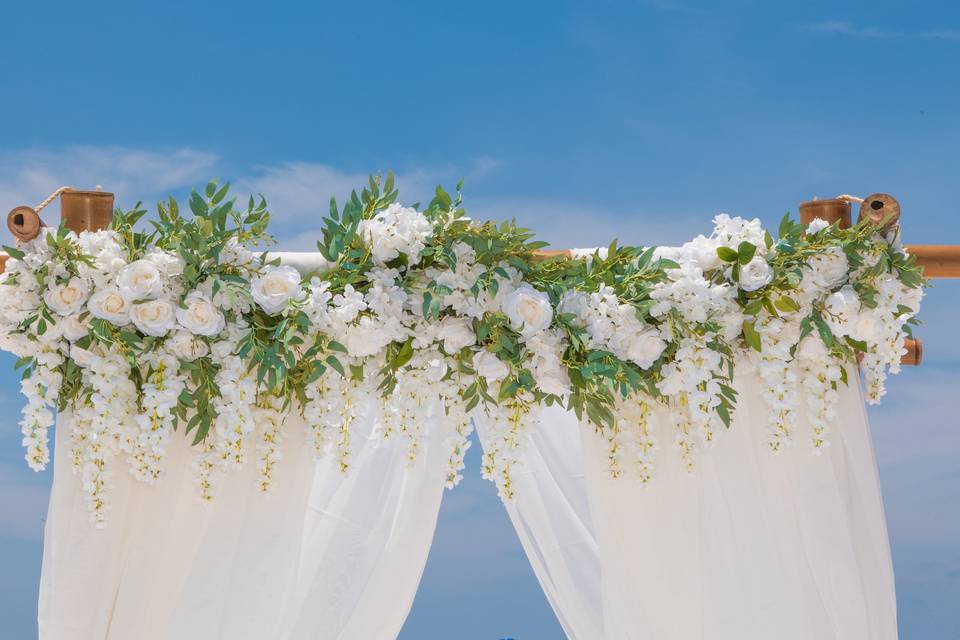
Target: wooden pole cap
[
  {"x": 880, "y": 209},
  {"x": 24, "y": 223},
  {"x": 829, "y": 210},
  {"x": 86, "y": 210}
]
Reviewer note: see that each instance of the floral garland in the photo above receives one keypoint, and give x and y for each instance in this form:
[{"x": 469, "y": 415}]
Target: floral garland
[{"x": 143, "y": 330}]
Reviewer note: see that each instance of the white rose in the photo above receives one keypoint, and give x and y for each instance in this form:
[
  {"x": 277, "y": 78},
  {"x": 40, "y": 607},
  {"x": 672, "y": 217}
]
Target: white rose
[
  {"x": 110, "y": 305},
  {"x": 73, "y": 327},
  {"x": 702, "y": 251},
  {"x": 82, "y": 357},
  {"x": 456, "y": 334},
  {"x": 169, "y": 264},
  {"x": 188, "y": 347},
  {"x": 816, "y": 225},
  {"x": 67, "y": 299},
  {"x": 153, "y": 317},
  {"x": 490, "y": 367},
  {"x": 755, "y": 274},
  {"x": 200, "y": 316},
  {"x": 829, "y": 269},
  {"x": 646, "y": 347},
  {"x": 140, "y": 280},
  {"x": 274, "y": 287},
  {"x": 554, "y": 380},
  {"x": 529, "y": 310}
]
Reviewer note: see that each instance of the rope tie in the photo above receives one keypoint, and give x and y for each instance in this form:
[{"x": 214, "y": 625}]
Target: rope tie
[
  {"x": 850, "y": 198},
  {"x": 53, "y": 196}
]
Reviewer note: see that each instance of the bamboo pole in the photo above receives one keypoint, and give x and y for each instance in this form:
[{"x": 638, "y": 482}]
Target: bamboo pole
[{"x": 938, "y": 261}]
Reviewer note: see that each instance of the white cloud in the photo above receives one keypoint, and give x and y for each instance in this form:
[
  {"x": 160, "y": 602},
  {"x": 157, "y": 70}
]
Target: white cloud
[
  {"x": 298, "y": 193},
  {"x": 843, "y": 28},
  {"x": 27, "y": 176},
  {"x": 566, "y": 224}
]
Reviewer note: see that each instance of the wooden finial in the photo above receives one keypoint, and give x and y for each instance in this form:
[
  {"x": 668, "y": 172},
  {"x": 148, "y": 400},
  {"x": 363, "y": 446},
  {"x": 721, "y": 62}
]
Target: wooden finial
[
  {"x": 880, "y": 209},
  {"x": 24, "y": 223}
]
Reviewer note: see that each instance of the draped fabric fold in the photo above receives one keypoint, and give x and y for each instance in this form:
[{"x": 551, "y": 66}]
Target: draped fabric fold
[
  {"x": 750, "y": 546},
  {"x": 325, "y": 554}
]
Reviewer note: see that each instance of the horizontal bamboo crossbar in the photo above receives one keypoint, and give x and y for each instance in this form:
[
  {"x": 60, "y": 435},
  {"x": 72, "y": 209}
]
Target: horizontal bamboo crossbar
[{"x": 937, "y": 260}]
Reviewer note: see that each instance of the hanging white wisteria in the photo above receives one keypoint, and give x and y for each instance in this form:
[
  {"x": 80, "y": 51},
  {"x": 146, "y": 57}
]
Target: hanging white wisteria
[{"x": 145, "y": 332}]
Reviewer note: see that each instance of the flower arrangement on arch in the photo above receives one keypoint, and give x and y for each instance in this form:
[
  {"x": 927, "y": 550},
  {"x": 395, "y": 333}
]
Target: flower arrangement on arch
[{"x": 177, "y": 325}]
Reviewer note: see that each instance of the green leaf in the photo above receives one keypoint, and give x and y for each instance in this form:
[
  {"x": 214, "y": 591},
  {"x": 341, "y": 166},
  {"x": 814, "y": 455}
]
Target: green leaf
[
  {"x": 746, "y": 251},
  {"x": 727, "y": 254},
  {"x": 337, "y": 366},
  {"x": 786, "y": 304},
  {"x": 751, "y": 337}
]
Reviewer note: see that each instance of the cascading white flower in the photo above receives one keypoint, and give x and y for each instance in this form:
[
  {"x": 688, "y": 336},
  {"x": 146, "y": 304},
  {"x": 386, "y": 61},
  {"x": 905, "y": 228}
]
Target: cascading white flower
[
  {"x": 268, "y": 416},
  {"x": 274, "y": 287},
  {"x": 161, "y": 390}
]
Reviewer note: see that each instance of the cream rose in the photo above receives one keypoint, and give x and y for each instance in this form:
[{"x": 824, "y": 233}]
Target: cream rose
[
  {"x": 187, "y": 346},
  {"x": 490, "y": 367},
  {"x": 529, "y": 310},
  {"x": 110, "y": 305},
  {"x": 456, "y": 333},
  {"x": 153, "y": 317},
  {"x": 755, "y": 274},
  {"x": 67, "y": 299},
  {"x": 646, "y": 347},
  {"x": 273, "y": 288},
  {"x": 140, "y": 280},
  {"x": 199, "y": 316},
  {"x": 73, "y": 328}
]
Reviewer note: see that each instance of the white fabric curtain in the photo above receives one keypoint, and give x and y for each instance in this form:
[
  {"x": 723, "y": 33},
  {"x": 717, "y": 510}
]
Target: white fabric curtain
[
  {"x": 325, "y": 555},
  {"x": 752, "y": 546}
]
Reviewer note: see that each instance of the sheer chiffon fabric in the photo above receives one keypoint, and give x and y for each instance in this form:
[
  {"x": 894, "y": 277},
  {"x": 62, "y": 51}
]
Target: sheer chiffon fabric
[
  {"x": 324, "y": 555},
  {"x": 752, "y": 546}
]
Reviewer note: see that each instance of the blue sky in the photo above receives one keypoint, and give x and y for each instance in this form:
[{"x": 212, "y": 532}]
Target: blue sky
[{"x": 587, "y": 121}]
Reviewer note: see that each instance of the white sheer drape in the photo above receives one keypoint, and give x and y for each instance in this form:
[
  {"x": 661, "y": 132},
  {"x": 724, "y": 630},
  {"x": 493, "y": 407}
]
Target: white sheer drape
[
  {"x": 751, "y": 546},
  {"x": 325, "y": 555}
]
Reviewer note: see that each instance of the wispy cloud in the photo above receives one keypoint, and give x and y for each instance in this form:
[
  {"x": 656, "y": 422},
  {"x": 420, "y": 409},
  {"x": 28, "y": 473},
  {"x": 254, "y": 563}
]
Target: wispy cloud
[
  {"x": 843, "y": 28},
  {"x": 299, "y": 192},
  {"x": 28, "y": 175}
]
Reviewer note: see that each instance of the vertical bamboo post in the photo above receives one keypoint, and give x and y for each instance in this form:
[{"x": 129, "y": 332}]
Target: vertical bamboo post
[{"x": 86, "y": 210}]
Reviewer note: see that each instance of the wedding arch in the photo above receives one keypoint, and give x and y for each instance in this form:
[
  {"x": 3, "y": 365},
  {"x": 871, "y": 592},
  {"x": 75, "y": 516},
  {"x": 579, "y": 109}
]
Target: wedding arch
[{"x": 254, "y": 444}]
